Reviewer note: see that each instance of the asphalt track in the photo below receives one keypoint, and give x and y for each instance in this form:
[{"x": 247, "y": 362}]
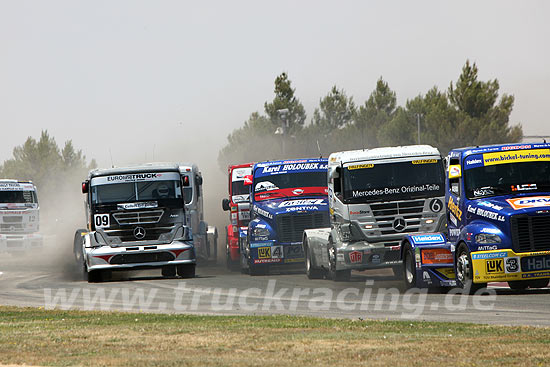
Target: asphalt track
[{"x": 215, "y": 290}]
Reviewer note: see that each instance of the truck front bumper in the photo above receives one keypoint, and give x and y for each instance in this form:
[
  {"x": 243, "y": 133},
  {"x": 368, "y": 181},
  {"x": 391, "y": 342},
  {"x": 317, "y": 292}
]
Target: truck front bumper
[
  {"x": 363, "y": 255},
  {"x": 272, "y": 252},
  {"x": 142, "y": 256},
  {"x": 506, "y": 265},
  {"x": 20, "y": 242}
]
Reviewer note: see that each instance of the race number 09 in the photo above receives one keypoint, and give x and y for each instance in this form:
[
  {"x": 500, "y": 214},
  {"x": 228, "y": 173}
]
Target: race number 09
[{"x": 101, "y": 220}]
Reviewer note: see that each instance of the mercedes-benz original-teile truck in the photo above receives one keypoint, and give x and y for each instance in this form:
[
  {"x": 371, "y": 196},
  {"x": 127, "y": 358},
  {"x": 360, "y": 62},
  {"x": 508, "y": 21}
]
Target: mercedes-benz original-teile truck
[
  {"x": 137, "y": 218},
  {"x": 19, "y": 217},
  {"x": 376, "y": 197}
]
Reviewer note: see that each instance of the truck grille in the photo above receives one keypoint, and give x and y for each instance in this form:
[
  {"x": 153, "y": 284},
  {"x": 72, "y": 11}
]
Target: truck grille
[
  {"x": 530, "y": 233},
  {"x": 127, "y": 234},
  {"x": 13, "y": 219},
  {"x": 136, "y": 217},
  {"x": 410, "y": 210},
  {"x": 290, "y": 227},
  {"x": 11, "y": 227},
  {"x": 142, "y": 258}
]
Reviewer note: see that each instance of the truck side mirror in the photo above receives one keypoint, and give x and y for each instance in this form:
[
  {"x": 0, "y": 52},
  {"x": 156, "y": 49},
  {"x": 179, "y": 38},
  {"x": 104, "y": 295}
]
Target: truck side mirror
[
  {"x": 199, "y": 180},
  {"x": 225, "y": 204},
  {"x": 85, "y": 186}
]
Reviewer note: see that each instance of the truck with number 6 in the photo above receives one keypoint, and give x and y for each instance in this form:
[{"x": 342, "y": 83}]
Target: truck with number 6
[
  {"x": 498, "y": 210},
  {"x": 376, "y": 197}
]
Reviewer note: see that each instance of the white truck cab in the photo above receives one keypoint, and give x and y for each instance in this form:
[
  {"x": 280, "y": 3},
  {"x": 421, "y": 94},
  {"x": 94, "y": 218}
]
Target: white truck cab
[{"x": 376, "y": 197}]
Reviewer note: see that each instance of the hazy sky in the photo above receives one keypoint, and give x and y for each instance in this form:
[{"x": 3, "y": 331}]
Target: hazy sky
[{"x": 135, "y": 77}]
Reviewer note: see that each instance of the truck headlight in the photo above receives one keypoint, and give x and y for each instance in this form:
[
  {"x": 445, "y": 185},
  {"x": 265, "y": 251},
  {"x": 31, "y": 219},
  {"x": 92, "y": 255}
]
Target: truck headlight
[
  {"x": 260, "y": 232},
  {"x": 487, "y": 238}
]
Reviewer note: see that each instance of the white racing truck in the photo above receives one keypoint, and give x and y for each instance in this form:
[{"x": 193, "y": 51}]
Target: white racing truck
[
  {"x": 147, "y": 216},
  {"x": 19, "y": 217},
  {"x": 376, "y": 197}
]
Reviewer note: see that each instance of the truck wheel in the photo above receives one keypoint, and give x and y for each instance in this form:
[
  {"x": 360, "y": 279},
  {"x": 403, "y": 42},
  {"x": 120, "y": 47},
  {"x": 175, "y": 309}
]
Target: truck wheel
[
  {"x": 409, "y": 268},
  {"x": 186, "y": 271},
  {"x": 464, "y": 271},
  {"x": 258, "y": 270},
  {"x": 168, "y": 271},
  {"x": 311, "y": 271},
  {"x": 230, "y": 264},
  {"x": 336, "y": 275},
  {"x": 94, "y": 276}
]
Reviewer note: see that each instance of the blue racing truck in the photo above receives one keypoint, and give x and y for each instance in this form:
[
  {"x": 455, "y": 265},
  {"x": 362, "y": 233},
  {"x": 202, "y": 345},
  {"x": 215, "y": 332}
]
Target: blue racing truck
[
  {"x": 286, "y": 198},
  {"x": 498, "y": 213}
]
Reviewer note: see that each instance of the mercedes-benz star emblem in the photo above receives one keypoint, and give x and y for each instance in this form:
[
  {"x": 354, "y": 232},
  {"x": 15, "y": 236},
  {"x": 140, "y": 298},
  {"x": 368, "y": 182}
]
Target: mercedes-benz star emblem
[
  {"x": 139, "y": 233},
  {"x": 399, "y": 224}
]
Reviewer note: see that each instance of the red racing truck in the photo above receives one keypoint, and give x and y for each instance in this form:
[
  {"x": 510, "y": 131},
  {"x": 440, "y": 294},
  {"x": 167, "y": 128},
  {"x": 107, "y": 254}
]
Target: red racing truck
[{"x": 239, "y": 207}]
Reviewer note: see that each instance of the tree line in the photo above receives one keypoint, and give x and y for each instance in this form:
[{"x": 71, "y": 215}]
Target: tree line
[{"x": 468, "y": 113}]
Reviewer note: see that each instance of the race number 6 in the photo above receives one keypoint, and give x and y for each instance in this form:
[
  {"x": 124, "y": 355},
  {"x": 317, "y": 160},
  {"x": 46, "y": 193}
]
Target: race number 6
[
  {"x": 101, "y": 220},
  {"x": 436, "y": 205}
]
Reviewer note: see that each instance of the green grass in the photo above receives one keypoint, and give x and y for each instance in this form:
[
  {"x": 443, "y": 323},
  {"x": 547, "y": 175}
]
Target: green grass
[{"x": 38, "y": 337}]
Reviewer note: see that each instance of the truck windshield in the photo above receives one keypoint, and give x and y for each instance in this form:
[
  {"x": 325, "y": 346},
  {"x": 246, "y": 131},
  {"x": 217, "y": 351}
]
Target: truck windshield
[
  {"x": 508, "y": 178},
  {"x": 368, "y": 182},
  {"x": 17, "y": 197},
  {"x": 126, "y": 192},
  {"x": 290, "y": 184},
  {"x": 239, "y": 188}
]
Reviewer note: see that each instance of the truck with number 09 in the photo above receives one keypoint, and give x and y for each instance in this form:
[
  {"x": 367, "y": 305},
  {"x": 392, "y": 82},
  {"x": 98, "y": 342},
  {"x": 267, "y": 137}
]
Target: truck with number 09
[
  {"x": 19, "y": 217},
  {"x": 287, "y": 197},
  {"x": 147, "y": 216},
  {"x": 498, "y": 209},
  {"x": 238, "y": 205},
  {"x": 376, "y": 197}
]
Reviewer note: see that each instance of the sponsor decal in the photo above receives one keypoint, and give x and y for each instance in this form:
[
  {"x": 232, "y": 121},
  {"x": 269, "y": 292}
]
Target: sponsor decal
[
  {"x": 140, "y": 205},
  {"x": 298, "y": 191},
  {"x": 491, "y": 255},
  {"x": 302, "y": 202},
  {"x": 488, "y": 204},
  {"x": 489, "y": 214},
  {"x": 473, "y": 161},
  {"x": 264, "y": 252},
  {"x": 487, "y": 247},
  {"x": 428, "y": 238},
  {"x": 356, "y": 257},
  {"x": 395, "y": 190},
  {"x": 294, "y": 167},
  {"x": 263, "y": 212},
  {"x": 360, "y": 212},
  {"x": 453, "y": 219},
  {"x": 529, "y": 202},
  {"x": 483, "y": 192},
  {"x": 453, "y": 208},
  {"x": 494, "y": 266},
  {"x": 447, "y": 272},
  {"x": 261, "y": 244},
  {"x": 535, "y": 263},
  {"x": 524, "y": 187},
  {"x": 454, "y": 232},
  {"x": 454, "y": 171},
  {"x": 16, "y": 186},
  {"x": 516, "y": 147},
  {"x": 360, "y": 166},
  {"x": 536, "y": 275},
  {"x": 436, "y": 256},
  {"x": 512, "y": 264},
  {"x": 244, "y": 214},
  {"x": 436, "y": 205},
  {"x": 532, "y": 155},
  {"x": 424, "y": 161},
  {"x": 136, "y": 177},
  {"x": 102, "y": 220},
  {"x": 426, "y": 277},
  {"x": 266, "y": 261},
  {"x": 301, "y": 208},
  {"x": 490, "y": 230},
  {"x": 375, "y": 259}
]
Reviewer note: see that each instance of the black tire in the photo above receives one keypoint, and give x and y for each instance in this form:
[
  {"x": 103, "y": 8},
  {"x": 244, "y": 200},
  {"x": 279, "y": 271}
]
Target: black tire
[
  {"x": 258, "y": 270},
  {"x": 94, "y": 276},
  {"x": 409, "y": 268},
  {"x": 336, "y": 275},
  {"x": 398, "y": 271},
  {"x": 186, "y": 271},
  {"x": 77, "y": 245},
  {"x": 168, "y": 271},
  {"x": 230, "y": 264},
  {"x": 464, "y": 271},
  {"x": 311, "y": 271}
]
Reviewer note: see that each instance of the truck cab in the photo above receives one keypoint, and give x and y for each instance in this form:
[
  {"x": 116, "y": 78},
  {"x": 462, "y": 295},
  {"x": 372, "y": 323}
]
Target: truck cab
[
  {"x": 19, "y": 217},
  {"x": 136, "y": 218},
  {"x": 238, "y": 204},
  {"x": 498, "y": 210},
  {"x": 376, "y": 197},
  {"x": 287, "y": 197}
]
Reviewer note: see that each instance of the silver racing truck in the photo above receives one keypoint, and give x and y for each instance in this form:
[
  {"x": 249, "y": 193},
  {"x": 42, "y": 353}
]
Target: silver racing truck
[
  {"x": 137, "y": 218},
  {"x": 19, "y": 217},
  {"x": 376, "y": 197}
]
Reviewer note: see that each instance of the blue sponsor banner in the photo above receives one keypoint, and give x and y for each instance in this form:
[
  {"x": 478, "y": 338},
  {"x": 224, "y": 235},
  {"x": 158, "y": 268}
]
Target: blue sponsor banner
[
  {"x": 428, "y": 238},
  {"x": 290, "y": 166},
  {"x": 473, "y": 161},
  {"x": 261, "y": 244},
  {"x": 243, "y": 231},
  {"x": 492, "y": 255}
]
